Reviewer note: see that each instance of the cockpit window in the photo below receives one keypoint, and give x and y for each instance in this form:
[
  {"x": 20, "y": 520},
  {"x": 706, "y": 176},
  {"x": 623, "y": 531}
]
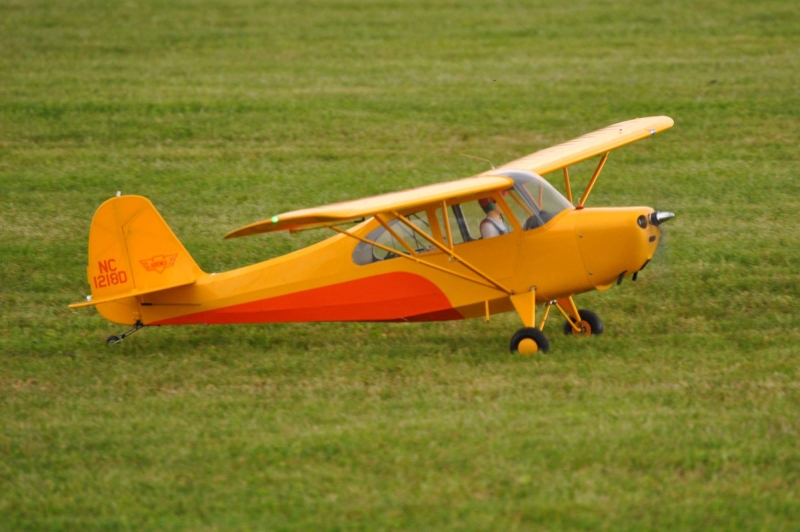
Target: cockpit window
[
  {"x": 468, "y": 220},
  {"x": 534, "y": 200},
  {"x": 367, "y": 253}
]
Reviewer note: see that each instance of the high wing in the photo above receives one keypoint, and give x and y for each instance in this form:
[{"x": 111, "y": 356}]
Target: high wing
[
  {"x": 404, "y": 201},
  {"x": 595, "y": 143},
  {"x": 541, "y": 162}
]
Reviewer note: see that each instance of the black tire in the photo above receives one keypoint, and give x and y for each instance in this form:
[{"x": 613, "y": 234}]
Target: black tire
[
  {"x": 529, "y": 333},
  {"x": 590, "y": 318},
  {"x": 111, "y": 340}
]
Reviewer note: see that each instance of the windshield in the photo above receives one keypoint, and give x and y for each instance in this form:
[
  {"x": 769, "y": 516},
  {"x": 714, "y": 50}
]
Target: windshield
[{"x": 537, "y": 198}]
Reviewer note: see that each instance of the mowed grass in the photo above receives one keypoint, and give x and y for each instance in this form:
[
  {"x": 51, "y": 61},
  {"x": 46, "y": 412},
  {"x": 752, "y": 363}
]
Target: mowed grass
[{"x": 683, "y": 415}]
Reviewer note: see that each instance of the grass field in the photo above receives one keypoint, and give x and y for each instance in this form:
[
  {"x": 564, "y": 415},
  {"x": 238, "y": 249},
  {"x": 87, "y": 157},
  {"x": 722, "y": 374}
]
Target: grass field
[{"x": 684, "y": 415}]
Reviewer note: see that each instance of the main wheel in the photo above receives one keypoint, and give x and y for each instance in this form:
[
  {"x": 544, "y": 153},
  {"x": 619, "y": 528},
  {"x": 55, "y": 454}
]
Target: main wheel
[
  {"x": 529, "y": 341},
  {"x": 111, "y": 340},
  {"x": 590, "y": 324}
]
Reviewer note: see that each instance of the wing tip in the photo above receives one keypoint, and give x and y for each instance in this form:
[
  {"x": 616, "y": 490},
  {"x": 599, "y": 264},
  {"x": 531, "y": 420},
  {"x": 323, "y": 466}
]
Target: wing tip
[
  {"x": 250, "y": 229},
  {"x": 667, "y": 119},
  {"x": 662, "y": 122}
]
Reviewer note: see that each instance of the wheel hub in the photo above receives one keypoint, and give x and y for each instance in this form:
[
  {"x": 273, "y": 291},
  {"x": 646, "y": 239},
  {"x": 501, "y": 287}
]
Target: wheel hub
[
  {"x": 528, "y": 347},
  {"x": 585, "y": 329}
]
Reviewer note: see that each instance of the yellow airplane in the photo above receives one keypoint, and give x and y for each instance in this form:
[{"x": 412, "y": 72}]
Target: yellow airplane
[{"x": 502, "y": 240}]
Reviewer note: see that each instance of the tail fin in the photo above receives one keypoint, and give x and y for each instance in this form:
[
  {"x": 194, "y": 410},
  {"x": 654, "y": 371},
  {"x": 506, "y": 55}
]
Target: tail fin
[{"x": 133, "y": 252}]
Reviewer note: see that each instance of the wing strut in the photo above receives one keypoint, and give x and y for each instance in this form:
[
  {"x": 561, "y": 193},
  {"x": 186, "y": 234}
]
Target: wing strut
[
  {"x": 412, "y": 255},
  {"x": 450, "y": 252},
  {"x": 397, "y": 237},
  {"x": 594, "y": 178},
  {"x": 449, "y": 233},
  {"x": 566, "y": 184}
]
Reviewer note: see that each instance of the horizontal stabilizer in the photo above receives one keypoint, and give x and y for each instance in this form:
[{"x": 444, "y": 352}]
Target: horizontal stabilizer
[{"x": 132, "y": 293}]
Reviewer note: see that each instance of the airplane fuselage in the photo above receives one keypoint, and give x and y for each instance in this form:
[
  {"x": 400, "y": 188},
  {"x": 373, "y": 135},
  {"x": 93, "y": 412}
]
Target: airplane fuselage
[{"x": 577, "y": 251}]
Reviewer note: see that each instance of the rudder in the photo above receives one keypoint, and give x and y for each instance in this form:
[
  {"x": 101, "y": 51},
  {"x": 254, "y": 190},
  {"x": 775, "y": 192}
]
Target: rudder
[{"x": 132, "y": 251}]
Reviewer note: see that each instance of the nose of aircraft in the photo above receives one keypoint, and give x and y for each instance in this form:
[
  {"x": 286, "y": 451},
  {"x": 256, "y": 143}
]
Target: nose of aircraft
[{"x": 618, "y": 241}]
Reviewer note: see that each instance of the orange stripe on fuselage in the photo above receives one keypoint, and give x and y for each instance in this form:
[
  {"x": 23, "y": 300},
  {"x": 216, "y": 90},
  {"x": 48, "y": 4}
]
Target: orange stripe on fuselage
[{"x": 387, "y": 297}]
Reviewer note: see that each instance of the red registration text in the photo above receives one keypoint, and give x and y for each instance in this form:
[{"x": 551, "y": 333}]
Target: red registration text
[{"x": 110, "y": 275}]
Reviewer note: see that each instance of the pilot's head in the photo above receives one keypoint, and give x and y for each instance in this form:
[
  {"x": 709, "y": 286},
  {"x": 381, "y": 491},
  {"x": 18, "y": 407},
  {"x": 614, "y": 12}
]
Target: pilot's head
[{"x": 487, "y": 204}]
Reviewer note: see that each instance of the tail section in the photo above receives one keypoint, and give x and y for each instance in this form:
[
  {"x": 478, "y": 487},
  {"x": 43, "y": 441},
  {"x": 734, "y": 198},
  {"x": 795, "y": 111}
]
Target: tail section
[{"x": 133, "y": 252}]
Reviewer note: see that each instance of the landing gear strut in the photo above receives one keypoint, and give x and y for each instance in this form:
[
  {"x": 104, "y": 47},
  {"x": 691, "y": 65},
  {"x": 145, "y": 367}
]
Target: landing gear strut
[
  {"x": 590, "y": 324},
  {"x": 530, "y": 339},
  {"x": 111, "y": 340}
]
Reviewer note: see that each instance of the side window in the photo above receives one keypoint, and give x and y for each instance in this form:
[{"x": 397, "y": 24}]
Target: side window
[
  {"x": 466, "y": 219},
  {"x": 367, "y": 253},
  {"x": 458, "y": 227},
  {"x": 473, "y": 216}
]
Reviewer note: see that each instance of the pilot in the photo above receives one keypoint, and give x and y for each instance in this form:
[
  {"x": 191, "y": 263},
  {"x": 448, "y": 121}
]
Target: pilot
[{"x": 493, "y": 225}]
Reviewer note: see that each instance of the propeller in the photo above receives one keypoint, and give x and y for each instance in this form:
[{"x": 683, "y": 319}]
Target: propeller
[{"x": 657, "y": 218}]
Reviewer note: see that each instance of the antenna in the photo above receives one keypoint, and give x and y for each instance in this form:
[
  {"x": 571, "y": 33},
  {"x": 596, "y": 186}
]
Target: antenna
[{"x": 478, "y": 158}]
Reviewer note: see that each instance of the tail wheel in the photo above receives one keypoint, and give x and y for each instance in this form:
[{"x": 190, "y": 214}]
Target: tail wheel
[
  {"x": 529, "y": 341},
  {"x": 590, "y": 324}
]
